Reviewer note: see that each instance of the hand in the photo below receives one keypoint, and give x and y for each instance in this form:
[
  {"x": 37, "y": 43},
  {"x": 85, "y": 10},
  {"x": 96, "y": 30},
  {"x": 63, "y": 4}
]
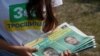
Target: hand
[
  {"x": 23, "y": 51},
  {"x": 18, "y": 50},
  {"x": 66, "y": 53},
  {"x": 74, "y": 54}
]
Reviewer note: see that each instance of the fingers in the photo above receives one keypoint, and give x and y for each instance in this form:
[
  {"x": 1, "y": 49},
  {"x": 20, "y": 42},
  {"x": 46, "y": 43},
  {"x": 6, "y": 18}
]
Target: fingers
[
  {"x": 29, "y": 54},
  {"x": 31, "y": 50},
  {"x": 67, "y": 53},
  {"x": 34, "y": 50},
  {"x": 75, "y": 54},
  {"x": 62, "y": 54}
]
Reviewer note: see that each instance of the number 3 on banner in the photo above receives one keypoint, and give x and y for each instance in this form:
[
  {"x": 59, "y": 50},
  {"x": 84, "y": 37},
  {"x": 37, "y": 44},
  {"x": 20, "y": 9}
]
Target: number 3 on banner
[{"x": 20, "y": 12}]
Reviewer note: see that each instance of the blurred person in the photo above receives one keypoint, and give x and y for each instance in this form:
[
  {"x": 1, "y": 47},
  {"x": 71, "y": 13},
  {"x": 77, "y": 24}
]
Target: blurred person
[{"x": 22, "y": 21}]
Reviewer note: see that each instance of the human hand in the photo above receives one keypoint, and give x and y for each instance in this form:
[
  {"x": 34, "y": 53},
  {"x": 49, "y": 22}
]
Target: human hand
[
  {"x": 23, "y": 51},
  {"x": 66, "y": 53},
  {"x": 75, "y": 54}
]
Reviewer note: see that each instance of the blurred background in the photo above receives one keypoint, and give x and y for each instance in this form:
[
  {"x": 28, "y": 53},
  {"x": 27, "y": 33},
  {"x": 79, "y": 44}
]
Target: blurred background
[{"x": 84, "y": 14}]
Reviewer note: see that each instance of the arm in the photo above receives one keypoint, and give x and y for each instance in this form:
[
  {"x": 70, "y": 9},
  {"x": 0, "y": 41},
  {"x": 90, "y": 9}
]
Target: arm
[{"x": 18, "y": 50}]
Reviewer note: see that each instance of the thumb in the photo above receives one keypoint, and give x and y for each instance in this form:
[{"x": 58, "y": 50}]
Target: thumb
[
  {"x": 29, "y": 54},
  {"x": 62, "y": 54},
  {"x": 66, "y": 53},
  {"x": 34, "y": 50}
]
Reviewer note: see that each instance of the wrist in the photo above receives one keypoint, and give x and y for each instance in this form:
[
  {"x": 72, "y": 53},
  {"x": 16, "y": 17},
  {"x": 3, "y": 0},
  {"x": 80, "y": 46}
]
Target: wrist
[{"x": 12, "y": 49}]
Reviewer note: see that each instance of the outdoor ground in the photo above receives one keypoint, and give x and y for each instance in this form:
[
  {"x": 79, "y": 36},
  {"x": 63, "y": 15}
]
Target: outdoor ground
[{"x": 84, "y": 14}]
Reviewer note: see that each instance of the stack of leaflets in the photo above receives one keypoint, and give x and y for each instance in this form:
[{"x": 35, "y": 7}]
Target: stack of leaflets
[{"x": 64, "y": 37}]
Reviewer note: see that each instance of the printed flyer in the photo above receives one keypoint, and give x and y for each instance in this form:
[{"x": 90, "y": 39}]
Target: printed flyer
[{"x": 64, "y": 37}]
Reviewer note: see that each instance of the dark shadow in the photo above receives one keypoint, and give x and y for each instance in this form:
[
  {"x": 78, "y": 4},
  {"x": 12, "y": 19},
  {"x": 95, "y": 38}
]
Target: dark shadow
[
  {"x": 97, "y": 8},
  {"x": 88, "y": 1}
]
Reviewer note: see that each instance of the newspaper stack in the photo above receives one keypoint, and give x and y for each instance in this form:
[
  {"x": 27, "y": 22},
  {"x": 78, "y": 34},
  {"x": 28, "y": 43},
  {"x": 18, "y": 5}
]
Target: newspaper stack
[{"x": 64, "y": 37}]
